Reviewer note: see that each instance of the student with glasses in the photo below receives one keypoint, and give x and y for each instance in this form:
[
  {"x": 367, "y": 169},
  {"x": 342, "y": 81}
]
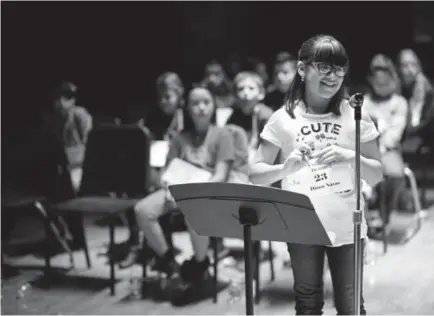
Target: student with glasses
[{"x": 315, "y": 129}]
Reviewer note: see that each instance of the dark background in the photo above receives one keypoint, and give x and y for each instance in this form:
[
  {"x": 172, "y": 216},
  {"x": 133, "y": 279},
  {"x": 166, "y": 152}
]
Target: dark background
[{"x": 114, "y": 51}]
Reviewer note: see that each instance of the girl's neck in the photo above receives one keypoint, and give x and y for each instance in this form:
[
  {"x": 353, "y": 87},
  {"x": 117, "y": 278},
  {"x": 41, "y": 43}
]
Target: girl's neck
[
  {"x": 316, "y": 104},
  {"x": 199, "y": 135}
]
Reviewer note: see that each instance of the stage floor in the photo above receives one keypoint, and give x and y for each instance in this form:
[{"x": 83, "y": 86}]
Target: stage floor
[{"x": 401, "y": 282}]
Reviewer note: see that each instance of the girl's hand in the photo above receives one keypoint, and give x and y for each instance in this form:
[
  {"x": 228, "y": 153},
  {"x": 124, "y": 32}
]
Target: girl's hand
[
  {"x": 297, "y": 159},
  {"x": 332, "y": 154},
  {"x": 169, "y": 200}
]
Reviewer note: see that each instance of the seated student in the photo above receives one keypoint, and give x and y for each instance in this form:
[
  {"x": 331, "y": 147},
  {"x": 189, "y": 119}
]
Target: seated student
[
  {"x": 217, "y": 81},
  {"x": 419, "y": 93},
  {"x": 163, "y": 120},
  {"x": 284, "y": 73},
  {"x": 212, "y": 148},
  {"x": 389, "y": 111},
  {"x": 163, "y": 123},
  {"x": 260, "y": 67},
  {"x": 249, "y": 113}
]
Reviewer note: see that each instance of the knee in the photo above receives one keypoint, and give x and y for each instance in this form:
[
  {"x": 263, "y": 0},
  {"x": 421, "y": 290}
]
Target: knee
[
  {"x": 344, "y": 301},
  {"x": 145, "y": 212},
  {"x": 309, "y": 299}
]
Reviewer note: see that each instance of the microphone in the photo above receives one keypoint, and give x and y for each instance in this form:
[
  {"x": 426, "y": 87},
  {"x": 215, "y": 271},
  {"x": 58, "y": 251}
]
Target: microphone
[{"x": 356, "y": 100}]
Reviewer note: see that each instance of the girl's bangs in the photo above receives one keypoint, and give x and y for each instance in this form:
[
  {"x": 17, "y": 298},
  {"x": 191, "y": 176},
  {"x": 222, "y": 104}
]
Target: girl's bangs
[{"x": 331, "y": 52}]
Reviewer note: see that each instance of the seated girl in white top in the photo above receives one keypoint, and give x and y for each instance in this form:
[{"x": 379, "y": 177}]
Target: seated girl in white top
[
  {"x": 388, "y": 110},
  {"x": 315, "y": 129}
]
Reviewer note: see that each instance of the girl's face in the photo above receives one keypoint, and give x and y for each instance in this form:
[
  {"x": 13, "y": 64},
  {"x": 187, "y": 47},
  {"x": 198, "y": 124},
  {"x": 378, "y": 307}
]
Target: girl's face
[
  {"x": 201, "y": 107},
  {"x": 322, "y": 79},
  {"x": 409, "y": 67},
  {"x": 382, "y": 83},
  {"x": 169, "y": 101}
]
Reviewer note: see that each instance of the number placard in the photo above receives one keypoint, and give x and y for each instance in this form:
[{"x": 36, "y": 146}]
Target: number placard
[{"x": 321, "y": 179}]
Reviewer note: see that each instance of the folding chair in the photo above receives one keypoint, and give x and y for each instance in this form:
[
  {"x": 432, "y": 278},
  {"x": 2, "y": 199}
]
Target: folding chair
[
  {"x": 31, "y": 178},
  {"x": 115, "y": 176}
]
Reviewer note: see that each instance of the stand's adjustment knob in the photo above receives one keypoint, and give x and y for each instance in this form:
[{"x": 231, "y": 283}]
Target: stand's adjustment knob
[
  {"x": 248, "y": 216},
  {"x": 357, "y": 216}
]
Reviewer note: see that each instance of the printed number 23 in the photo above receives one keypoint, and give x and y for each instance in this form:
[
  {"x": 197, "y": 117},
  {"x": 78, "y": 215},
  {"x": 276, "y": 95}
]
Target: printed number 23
[{"x": 320, "y": 177}]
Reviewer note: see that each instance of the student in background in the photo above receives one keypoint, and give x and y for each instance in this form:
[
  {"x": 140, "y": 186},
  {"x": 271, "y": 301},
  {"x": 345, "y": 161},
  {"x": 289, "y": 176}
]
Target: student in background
[
  {"x": 217, "y": 81},
  {"x": 283, "y": 75},
  {"x": 207, "y": 146},
  {"x": 388, "y": 110},
  {"x": 249, "y": 113},
  {"x": 260, "y": 67},
  {"x": 70, "y": 122},
  {"x": 419, "y": 93},
  {"x": 164, "y": 121}
]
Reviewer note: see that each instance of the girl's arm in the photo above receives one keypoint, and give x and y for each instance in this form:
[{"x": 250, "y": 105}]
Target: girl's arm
[
  {"x": 371, "y": 169},
  {"x": 263, "y": 171},
  {"x": 221, "y": 172}
]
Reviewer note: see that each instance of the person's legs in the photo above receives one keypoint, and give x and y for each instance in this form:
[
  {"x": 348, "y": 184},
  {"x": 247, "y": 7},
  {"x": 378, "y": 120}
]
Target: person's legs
[
  {"x": 341, "y": 263},
  {"x": 307, "y": 267},
  {"x": 148, "y": 212}
]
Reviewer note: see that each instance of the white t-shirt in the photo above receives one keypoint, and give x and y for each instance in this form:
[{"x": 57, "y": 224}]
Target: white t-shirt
[
  {"x": 391, "y": 118},
  {"x": 334, "y": 208}
]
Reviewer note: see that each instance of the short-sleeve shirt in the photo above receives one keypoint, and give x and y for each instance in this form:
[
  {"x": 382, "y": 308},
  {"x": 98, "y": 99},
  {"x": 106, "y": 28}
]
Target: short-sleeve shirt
[
  {"x": 218, "y": 146},
  {"x": 321, "y": 130}
]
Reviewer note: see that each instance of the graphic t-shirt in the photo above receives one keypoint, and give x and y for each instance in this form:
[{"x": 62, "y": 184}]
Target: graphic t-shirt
[
  {"x": 217, "y": 146},
  {"x": 331, "y": 187}
]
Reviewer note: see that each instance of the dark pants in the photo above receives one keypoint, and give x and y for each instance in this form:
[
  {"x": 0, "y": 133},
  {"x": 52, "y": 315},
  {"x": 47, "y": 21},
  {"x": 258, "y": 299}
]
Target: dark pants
[{"x": 308, "y": 267}]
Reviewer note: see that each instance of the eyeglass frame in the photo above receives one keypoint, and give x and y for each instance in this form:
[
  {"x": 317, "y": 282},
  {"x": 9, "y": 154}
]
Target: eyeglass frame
[{"x": 333, "y": 68}]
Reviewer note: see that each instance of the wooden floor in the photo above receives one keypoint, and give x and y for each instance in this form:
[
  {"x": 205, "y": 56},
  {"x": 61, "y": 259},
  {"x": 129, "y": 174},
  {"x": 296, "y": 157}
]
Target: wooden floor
[{"x": 401, "y": 282}]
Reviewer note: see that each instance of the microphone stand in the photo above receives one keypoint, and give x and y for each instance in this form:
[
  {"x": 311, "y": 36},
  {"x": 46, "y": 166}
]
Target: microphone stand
[{"x": 356, "y": 102}]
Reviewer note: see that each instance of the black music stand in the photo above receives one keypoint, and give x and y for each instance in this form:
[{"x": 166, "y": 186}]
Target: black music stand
[{"x": 220, "y": 209}]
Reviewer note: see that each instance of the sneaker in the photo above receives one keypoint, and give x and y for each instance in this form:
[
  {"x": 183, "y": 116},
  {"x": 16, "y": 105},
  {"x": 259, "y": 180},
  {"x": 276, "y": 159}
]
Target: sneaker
[{"x": 195, "y": 283}]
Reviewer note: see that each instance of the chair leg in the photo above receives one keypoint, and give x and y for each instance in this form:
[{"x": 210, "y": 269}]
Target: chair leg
[
  {"x": 383, "y": 211},
  {"x": 111, "y": 259},
  {"x": 257, "y": 251},
  {"x": 48, "y": 237},
  {"x": 83, "y": 241},
  {"x": 270, "y": 254},
  {"x": 54, "y": 232},
  {"x": 415, "y": 194},
  {"x": 215, "y": 263}
]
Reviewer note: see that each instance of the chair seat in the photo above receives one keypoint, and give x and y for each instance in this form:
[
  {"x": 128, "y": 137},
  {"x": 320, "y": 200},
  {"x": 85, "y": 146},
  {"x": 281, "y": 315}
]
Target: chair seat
[
  {"x": 94, "y": 204},
  {"x": 14, "y": 201}
]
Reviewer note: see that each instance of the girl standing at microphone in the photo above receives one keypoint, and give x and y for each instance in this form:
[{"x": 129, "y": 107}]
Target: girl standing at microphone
[{"x": 315, "y": 130}]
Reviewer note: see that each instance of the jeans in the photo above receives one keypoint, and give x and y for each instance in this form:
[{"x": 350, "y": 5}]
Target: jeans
[{"x": 308, "y": 267}]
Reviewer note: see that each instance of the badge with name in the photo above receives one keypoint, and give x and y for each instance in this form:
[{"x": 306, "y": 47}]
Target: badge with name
[{"x": 321, "y": 179}]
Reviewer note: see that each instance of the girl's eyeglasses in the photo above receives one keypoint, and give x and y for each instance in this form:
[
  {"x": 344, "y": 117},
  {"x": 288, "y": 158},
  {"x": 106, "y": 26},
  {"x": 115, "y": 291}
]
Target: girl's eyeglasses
[{"x": 326, "y": 68}]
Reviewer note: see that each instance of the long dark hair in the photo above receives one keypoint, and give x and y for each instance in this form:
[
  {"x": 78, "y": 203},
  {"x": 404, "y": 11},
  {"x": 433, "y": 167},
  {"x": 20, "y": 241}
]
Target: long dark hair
[
  {"x": 188, "y": 122},
  {"x": 381, "y": 62},
  {"x": 320, "y": 48}
]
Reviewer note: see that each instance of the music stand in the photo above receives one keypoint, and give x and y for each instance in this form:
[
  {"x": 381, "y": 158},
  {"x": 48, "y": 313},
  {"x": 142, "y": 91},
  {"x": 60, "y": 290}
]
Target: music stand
[{"x": 264, "y": 213}]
